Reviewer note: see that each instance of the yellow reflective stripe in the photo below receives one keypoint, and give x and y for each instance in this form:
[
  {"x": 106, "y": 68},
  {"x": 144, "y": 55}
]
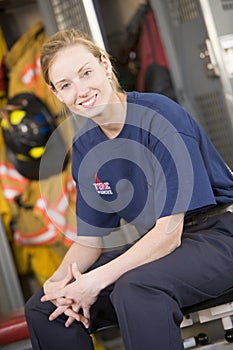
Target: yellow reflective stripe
[{"x": 39, "y": 238}]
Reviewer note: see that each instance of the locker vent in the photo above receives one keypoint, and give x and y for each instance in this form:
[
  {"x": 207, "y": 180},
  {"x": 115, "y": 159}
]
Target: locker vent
[
  {"x": 183, "y": 10},
  {"x": 69, "y": 14},
  {"x": 227, "y": 4},
  {"x": 214, "y": 122}
]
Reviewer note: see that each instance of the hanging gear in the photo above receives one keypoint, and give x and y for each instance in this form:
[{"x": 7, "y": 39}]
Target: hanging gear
[
  {"x": 24, "y": 71},
  {"x": 154, "y": 74},
  {"x": 27, "y": 125},
  {"x": 3, "y": 52}
]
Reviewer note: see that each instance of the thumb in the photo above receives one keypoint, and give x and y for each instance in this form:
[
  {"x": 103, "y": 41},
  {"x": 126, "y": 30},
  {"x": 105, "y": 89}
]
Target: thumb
[
  {"x": 75, "y": 271},
  {"x": 68, "y": 277}
]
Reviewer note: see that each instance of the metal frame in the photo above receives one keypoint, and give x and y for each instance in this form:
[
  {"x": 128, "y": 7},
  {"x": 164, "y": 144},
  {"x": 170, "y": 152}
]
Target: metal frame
[
  {"x": 218, "y": 53},
  {"x": 54, "y": 16},
  {"x": 186, "y": 27},
  {"x": 11, "y": 293}
]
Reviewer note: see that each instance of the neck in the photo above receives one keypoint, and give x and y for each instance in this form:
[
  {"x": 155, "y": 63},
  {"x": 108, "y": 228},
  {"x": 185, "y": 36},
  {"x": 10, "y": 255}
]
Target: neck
[{"x": 114, "y": 117}]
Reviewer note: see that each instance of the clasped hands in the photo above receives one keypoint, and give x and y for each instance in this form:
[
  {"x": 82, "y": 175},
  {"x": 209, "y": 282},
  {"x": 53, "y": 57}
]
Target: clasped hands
[{"x": 72, "y": 296}]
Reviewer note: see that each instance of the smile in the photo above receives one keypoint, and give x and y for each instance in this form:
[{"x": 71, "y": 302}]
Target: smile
[{"x": 89, "y": 103}]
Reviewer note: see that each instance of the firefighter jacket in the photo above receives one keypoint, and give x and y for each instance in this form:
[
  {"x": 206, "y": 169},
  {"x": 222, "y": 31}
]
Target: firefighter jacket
[
  {"x": 23, "y": 63},
  {"x": 3, "y": 51},
  {"x": 43, "y": 220}
]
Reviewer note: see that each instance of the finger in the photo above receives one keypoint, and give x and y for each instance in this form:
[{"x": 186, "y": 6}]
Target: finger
[
  {"x": 75, "y": 271},
  {"x": 86, "y": 312},
  {"x": 70, "y": 313},
  {"x": 52, "y": 296},
  {"x": 59, "y": 310},
  {"x": 78, "y": 317},
  {"x": 69, "y": 321},
  {"x": 63, "y": 301},
  {"x": 75, "y": 308},
  {"x": 68, "y": 277},
  {"x": 85, "y": 321}
]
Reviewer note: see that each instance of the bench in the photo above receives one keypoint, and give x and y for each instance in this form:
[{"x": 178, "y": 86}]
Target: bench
[{"x": 14, "y": 330}]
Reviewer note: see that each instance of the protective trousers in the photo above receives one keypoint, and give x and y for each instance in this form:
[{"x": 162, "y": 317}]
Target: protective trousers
[{"x": 146, "y": 302}]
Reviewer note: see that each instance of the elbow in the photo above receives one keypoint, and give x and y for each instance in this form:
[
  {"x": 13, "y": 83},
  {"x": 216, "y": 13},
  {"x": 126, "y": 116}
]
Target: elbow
[{"x": 176, "y": 243}]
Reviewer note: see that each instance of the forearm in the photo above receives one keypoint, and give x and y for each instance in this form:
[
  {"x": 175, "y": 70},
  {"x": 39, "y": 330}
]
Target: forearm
[
  {"x": 84, "y": 290},
  {"x": 157, "y": 243},
  {"x": 83, "y": 254}
]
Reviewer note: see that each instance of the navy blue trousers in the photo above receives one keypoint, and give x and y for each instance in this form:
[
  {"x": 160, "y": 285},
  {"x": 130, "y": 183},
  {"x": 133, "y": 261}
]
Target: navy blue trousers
[{"x": 146, "y": 302}]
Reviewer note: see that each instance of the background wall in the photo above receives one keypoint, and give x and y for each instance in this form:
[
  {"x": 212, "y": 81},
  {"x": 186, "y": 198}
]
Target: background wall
[
  {"x": 16, "y": 17},
  {"x": 116, "y": 16}
]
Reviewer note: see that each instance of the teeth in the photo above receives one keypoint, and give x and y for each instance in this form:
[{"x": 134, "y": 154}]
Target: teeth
[{"x": 89, "y": 102}]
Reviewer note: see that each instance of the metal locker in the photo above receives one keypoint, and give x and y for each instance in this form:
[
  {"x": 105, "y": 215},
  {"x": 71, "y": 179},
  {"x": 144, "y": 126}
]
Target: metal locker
[
  {"x": 198, "y": 40},
  {"x": 64, "y": 14},
  {"x": 11, "y": 293}
]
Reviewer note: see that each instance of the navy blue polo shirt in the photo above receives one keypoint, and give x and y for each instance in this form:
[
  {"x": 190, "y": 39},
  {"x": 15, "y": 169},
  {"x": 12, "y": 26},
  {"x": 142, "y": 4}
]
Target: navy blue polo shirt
[{"x": 161, "y": 163}]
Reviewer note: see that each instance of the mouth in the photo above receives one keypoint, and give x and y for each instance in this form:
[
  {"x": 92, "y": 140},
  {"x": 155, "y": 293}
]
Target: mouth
[{"x": 90, "y": 102}]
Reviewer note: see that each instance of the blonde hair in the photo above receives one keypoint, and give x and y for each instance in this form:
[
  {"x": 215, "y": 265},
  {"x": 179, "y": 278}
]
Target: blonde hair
[{"x": 64, "y": 39}]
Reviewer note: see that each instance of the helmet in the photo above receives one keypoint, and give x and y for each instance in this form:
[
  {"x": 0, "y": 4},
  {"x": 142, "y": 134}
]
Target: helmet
[{"x": 27, "y": 125}]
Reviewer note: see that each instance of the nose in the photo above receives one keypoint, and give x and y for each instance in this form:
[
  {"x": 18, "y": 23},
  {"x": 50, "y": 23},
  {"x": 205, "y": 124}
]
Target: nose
[{"x": 81, "y": 88}]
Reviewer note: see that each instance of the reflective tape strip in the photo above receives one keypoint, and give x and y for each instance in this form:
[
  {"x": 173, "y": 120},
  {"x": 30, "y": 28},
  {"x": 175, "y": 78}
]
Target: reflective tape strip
[{"x": 45, "y": 237}]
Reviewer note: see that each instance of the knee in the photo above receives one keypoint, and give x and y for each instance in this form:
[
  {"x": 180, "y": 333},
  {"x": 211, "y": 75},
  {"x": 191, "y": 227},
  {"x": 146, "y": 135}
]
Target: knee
[
  {"x": 33, "y": 306},
  {"x": 138, "y": 290},
  {"x": 33, "y": 301}
]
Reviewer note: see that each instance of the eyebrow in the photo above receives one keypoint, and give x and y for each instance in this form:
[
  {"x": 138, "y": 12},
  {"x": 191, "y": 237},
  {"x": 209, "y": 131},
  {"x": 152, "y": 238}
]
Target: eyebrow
[
  {"x": 63, "y": 80},
  {"x": 83, "y": 66}
]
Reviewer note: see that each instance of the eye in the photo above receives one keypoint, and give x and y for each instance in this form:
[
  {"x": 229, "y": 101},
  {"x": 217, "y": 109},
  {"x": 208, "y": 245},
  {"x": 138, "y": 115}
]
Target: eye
[
  {"x": 87, "y": 73},
  {"x": 64, "y": 86}
]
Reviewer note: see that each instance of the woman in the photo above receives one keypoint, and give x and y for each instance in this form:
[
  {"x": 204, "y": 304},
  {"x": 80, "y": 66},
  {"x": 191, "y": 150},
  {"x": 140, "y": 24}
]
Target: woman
[{"x": 142, "y": 160}]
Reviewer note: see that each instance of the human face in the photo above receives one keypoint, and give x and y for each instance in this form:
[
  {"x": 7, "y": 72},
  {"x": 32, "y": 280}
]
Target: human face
[{"x": 81, "y": 80}]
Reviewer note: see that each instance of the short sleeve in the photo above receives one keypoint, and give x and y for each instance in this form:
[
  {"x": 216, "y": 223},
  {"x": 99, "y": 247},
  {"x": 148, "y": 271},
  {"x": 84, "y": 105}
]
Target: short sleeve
[{"x": 181, "y": 179}]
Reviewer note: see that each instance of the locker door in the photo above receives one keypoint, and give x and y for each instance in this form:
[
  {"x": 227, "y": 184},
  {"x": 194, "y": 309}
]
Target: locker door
[
  {"x": 11, "y": 293},
  {"x": 195, "y": 33},
  {"x": 64, "y": 14}
]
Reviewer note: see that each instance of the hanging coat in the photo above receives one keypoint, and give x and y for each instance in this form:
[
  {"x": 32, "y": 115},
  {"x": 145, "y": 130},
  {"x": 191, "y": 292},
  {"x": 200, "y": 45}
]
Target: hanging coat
[
  {"x": 43, "y": 222},
  {"x": 153, "y": 75},
  {"x": 3, "y": 52},
  {"x": 23, "y": 63}
]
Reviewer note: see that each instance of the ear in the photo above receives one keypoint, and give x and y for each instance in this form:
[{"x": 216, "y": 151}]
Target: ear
[{"x": 106, "y": 63}]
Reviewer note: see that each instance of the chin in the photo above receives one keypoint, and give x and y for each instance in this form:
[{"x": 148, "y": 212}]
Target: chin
[{"x": 93, "y": 112}]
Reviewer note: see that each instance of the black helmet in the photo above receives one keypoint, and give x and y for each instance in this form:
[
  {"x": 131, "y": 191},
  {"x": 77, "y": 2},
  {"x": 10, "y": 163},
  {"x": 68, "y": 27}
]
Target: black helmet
[{"x": 27, "y": 125}]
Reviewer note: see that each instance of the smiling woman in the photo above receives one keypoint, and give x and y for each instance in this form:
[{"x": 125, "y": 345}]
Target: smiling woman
[
  {"x": 85, "y": 85},
  {"x": 87, "y": 79},
  {"x": 140, "y": 160}
]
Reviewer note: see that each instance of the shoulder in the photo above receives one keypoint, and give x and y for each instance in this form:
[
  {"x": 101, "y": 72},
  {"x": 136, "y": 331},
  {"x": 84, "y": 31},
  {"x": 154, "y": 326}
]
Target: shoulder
[
  {"x": 162, "y": 111},
  {"x": 156, "y": 102},
  {"x": 150, "y": 99}
]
